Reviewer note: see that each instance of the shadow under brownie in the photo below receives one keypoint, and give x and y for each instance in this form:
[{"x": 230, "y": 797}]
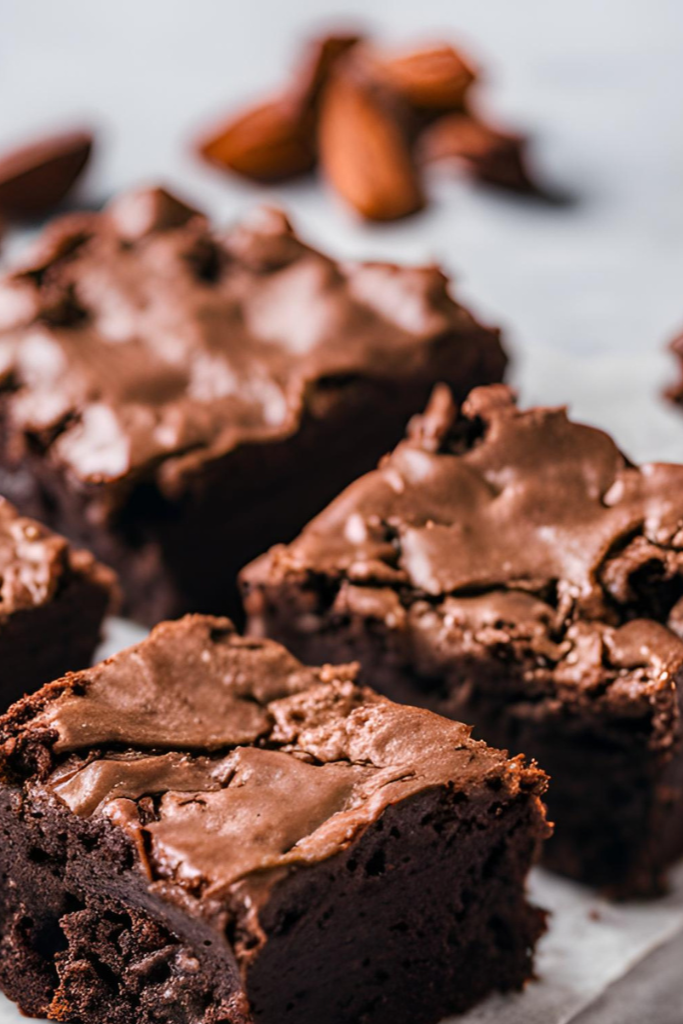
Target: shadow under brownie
[
  {"x": 53, "y": 600},
  {"x": 202, "y": 830},
  {"x": 177, "y": 399},
  {"x": 513, "y": 570}
]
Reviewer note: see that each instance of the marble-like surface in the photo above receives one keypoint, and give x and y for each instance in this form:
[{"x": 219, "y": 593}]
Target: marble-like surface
[{"x": 589, "y": 293}]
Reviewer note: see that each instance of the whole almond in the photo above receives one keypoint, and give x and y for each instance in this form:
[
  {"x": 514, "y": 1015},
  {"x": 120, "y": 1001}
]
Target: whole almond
[
  {"x": 36, "y": 177},
  {"x": 270, "y": 142},
  {"x": 435, "y": 78},
  {"x": 365, "y": 152}
]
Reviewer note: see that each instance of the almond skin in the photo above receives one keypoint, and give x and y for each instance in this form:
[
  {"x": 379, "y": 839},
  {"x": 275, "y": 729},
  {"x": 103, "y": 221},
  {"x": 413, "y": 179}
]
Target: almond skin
[
  {"x": 435, "y": 78},
  {"x": 35, "y": 178},
  {"x": 270, "y": 142},
  {"x": 364, "y": 151}
]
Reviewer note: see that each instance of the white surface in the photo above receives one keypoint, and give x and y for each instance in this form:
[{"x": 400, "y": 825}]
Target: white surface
[{"x": 589, "y": 293}]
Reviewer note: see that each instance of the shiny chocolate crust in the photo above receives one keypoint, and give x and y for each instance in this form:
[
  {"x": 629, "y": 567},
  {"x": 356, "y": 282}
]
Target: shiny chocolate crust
[
  {"x": 152, "y": 368},
  {"x": 238, "y": 780},
  {"x": 511, "y": 568},
  {"x": 53, "y": 599}
]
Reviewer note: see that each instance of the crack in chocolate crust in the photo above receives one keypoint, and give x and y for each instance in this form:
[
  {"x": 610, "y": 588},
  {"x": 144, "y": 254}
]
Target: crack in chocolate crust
[
  {"x": 215, "y": 797},
  {"x": 505, "y": 567}
]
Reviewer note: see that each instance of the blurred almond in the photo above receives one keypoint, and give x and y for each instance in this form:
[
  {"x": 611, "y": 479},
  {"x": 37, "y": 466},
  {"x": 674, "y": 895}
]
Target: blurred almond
[
  {"x": 268, "y": 143},
  {"x": 364, "y": 150},
  {"x": 489, "y": 154},
  {"x": 36, "y": 177},
  {"x": 318, "y": 61},
  {"x": 435, "y": 78}
]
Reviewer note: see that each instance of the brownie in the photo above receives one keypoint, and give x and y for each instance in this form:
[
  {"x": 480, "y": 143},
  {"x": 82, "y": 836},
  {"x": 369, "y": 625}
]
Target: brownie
[
  {"x": 202, "y": 830},
  {"x": 53, "y": 599},
  {"x": 177, "y": 399},
  {"x": 513, "y": 570}
]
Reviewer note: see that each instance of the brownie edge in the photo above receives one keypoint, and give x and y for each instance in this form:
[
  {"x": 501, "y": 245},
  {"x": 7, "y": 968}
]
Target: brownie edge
[
  {"x": 53, "y": 600},
  {"x": 203, "y": 830}
]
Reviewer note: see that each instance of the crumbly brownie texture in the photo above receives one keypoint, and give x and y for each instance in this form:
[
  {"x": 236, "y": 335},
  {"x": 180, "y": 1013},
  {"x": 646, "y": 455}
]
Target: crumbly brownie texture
[
  {"x": 201, "y": 830},
  {"x": 513, "y": 570},
  {"x": 52, "y": 603},
  {"x": 177, "y": 399}
]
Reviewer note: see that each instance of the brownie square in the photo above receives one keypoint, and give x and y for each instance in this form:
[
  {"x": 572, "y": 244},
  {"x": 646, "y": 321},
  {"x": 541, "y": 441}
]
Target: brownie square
[
  {"x": 512, "y": 569},
  {"x": 177, "y": 399},
  {"x": 202, "y": 830},
  {"x": 53, "y": 599}
]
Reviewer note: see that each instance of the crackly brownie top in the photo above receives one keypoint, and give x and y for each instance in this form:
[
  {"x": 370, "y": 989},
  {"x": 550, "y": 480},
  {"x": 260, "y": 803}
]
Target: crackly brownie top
[
  {"x": 223, "y": 756},
  {"x": 138, "y": 339},
  {"x": 512, "y": 522},
  {"x": 36, "y": 563}
]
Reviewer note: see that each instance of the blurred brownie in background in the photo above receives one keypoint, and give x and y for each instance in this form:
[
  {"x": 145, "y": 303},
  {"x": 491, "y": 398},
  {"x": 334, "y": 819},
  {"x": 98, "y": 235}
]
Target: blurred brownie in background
[
  {"x": 513, "y": 570},
  {"x": 52, "y": 603},
  {"x": 177, "y": 399}
]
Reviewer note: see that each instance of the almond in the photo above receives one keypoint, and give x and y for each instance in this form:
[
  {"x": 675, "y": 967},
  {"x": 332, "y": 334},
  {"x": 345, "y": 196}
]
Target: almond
[
  {"x": 436, "y": 78},
  {"x": 35, "y": 178},
  {"x": 489, "y": 154},
  {"x": 365, "y": 151},
  {"x": 268, "y": 143},
  {"x": 317, "y": 64},
  {"x": 276, "y": 139}
]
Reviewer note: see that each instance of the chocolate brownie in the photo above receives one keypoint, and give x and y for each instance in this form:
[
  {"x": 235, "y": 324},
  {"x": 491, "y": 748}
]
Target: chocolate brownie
[
  {"x": 513, "y": 570},
  {"x": 53, "y": 599},
  {"x": 202, "y": 830},
  {"x": 178, "y": 399}
]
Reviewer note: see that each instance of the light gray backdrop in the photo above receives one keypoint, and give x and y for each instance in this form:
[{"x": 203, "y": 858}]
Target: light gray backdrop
[{"x": 588, "y": 294}]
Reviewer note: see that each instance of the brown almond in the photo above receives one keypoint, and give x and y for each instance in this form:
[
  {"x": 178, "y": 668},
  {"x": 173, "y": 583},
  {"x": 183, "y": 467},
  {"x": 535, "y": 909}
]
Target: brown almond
[
  {"x": 35, "y": 178},
  {"x": 270, "y": 142},
  {"x": 489, "y": 154},
  {"x": 436, "y": 78},
  {"x": 276, "y": 139},
  {"x": 365, "y": 151},
  {"x": 317, "y": 64}
]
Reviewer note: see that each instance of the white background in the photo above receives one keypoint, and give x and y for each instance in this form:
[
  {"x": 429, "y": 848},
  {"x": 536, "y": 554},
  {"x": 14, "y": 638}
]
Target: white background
[{"x": 589, "y": 293}]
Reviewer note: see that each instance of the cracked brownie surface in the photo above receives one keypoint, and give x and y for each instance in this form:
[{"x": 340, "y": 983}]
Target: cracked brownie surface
[
  {"x": 204, "y": 819},
  {"x": 511, "y": 568},
  {"x": 158, "y": 377}
]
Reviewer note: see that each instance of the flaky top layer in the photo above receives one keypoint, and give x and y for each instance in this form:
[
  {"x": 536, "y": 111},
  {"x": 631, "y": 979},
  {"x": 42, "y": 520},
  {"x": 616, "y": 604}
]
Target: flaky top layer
[
  {"x": 138, "y": 340},
  {"x": 223, "y": 756}
]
